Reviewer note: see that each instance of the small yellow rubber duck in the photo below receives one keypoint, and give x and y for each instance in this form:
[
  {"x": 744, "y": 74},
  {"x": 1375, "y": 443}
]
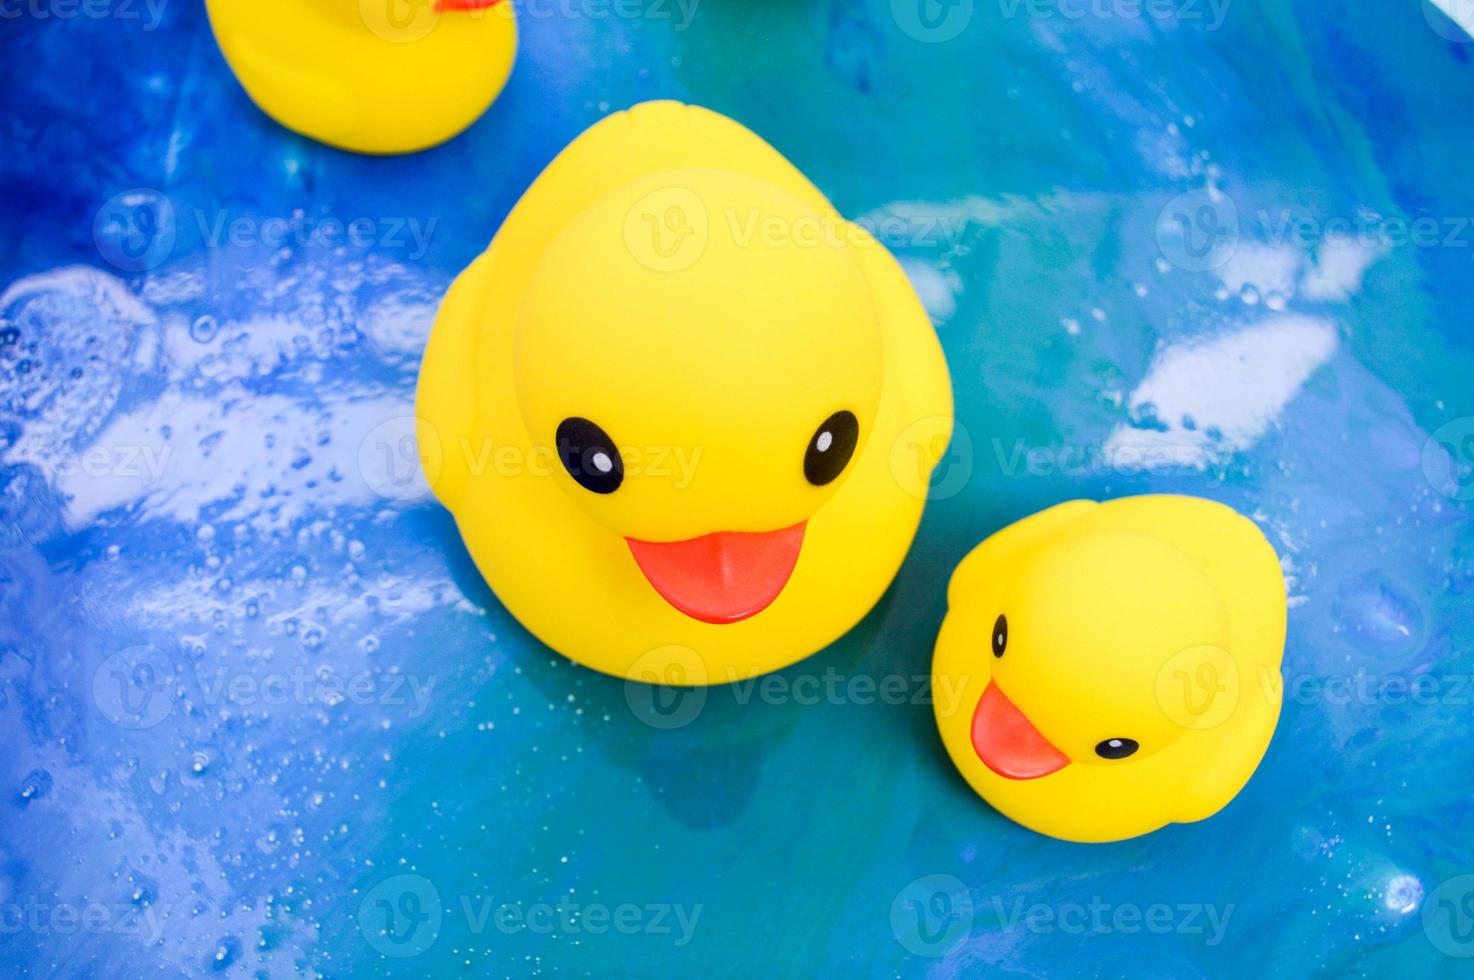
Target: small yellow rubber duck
[
  {"x": 683, "y": 413},
  {"x": 373, "y": 76},
  {"x": 1107, "y": 669}
]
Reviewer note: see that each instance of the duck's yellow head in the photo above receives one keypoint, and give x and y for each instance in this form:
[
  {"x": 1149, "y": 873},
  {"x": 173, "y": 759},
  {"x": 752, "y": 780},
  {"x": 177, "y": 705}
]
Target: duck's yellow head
[
  {"x": 1094, "y": 678},
  {"x": 700, "y": 353}
]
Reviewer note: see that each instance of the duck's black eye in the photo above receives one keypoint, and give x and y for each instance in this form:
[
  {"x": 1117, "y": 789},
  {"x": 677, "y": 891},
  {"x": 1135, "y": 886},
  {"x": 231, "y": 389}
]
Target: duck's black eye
[
  {"x": 1116, "y": 748},
  {"x": 1000, "y": 635},
  {"x": 589, "y": 455},
  {"x": 831, "y": 448}
]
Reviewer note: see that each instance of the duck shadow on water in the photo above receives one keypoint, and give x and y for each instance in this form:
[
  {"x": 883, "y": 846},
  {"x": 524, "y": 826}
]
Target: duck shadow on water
[{"x": 698, "y": 749}]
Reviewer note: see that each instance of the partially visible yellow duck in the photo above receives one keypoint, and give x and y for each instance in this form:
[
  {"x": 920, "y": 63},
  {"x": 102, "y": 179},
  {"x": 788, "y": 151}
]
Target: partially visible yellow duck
[
  {"x": 1106, "y": 669},
  {"x": 374, "y": 76},
  {"x": 683, "y": 413}
]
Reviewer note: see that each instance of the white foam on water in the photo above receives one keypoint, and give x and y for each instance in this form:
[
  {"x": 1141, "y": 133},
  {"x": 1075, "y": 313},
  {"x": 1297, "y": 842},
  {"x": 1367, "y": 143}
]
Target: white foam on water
[
  {"x": 1338, "y": 270},
  {"x": 1236, "y": 384},
  {"x": 264, "y": 459},
  {"x": 1268, "y": 268},
  {"x": 937, "y": 288}
]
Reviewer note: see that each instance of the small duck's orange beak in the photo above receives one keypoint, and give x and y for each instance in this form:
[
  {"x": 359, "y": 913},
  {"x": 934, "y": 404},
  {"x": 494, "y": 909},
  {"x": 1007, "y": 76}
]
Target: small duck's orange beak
[
  {"x": 722, "y": 577},
  {"x": 444, "y": 5},
  {"x": 1008, "y": 743}
]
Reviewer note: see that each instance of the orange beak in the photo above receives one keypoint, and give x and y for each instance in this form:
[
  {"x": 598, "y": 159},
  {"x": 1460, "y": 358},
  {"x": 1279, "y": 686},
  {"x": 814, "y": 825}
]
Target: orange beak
[
  {"x": 722, "y": 577},
  {"x": 1008, "y": 743}
]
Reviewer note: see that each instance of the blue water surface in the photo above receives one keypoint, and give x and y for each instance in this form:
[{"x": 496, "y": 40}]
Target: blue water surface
[{"x": 261, "y": 717}]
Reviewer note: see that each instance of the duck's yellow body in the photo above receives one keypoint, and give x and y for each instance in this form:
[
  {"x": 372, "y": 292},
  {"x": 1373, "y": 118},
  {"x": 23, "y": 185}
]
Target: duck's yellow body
[
  {"x": 683, "y": 413},
  {"x": 374, "y": 76},
  {"x": 1106, "y": 669}
]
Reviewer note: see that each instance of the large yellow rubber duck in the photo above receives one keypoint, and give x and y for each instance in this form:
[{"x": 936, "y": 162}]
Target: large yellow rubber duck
[
  {"x": 1107, "y": 669},
  {"x": 374, "y": 76},
  {"x": 683, "y": 413}
]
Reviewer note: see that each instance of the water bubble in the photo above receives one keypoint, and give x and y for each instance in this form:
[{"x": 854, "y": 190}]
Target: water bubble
[
  {"x": 36, "y": 785},
  {"x": 204, "y": 329},
  {"x": 1378, "y": 614},
  {"x": 1403, "y": 895},
  {"x": 226, "y": 953}
]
